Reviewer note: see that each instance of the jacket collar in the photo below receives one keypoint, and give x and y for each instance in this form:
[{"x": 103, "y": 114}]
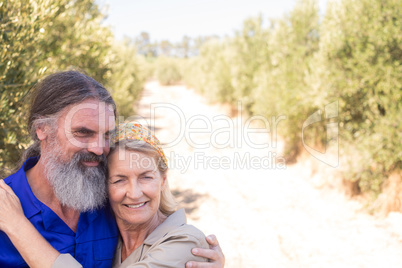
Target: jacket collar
[{"x": 175, "y": 220}]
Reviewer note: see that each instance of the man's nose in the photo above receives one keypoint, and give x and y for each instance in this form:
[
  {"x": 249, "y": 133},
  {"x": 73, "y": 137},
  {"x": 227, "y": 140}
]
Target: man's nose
[{"x": 96, "y": 147}]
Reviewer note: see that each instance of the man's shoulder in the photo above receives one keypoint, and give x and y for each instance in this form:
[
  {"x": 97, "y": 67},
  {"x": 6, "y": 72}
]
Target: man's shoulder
[
  {"x": 20, "y": 173},
  {"x": 15, "y": 176}
]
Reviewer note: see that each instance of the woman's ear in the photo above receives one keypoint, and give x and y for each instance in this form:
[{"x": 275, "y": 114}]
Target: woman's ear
[{"x": 163, "y": 183}]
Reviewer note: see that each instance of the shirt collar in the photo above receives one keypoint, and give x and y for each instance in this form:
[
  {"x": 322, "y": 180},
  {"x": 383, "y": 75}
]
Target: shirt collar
[
  {"x": 32, "y": 206},
  {"x": 175, "y": 220}
]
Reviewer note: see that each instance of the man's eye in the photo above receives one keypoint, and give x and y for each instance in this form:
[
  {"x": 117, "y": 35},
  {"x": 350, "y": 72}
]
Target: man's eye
[{"x": 82, "y": 133}]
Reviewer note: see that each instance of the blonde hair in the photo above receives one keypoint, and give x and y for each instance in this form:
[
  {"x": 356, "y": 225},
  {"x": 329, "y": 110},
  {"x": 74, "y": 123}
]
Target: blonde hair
[{"x": 168, "y": 204}]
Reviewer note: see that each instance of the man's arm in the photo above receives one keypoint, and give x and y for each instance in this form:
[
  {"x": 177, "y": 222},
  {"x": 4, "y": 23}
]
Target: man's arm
[{"x": 214, "y": 254}]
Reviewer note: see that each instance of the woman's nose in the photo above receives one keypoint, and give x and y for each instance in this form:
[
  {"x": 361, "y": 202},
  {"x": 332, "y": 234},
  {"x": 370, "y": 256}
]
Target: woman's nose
[{"x": 134, "y": 191}]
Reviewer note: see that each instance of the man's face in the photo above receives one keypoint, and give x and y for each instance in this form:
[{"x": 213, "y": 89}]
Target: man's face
[
  {"x": 74, "y": 155},
  {"x": 85, "y": 127}
]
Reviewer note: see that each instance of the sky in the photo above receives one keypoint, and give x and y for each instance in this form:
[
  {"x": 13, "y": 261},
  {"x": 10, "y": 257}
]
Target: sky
[{"x": 172, "y": 19}]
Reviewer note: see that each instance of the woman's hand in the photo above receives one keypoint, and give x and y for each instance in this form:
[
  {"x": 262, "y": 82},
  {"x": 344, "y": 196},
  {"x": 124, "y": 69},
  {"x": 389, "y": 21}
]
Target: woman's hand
[
  {"x": 35, "y": 250},
  {"x": 214, "y": 254},
  {"x": 11, "y": 213}
]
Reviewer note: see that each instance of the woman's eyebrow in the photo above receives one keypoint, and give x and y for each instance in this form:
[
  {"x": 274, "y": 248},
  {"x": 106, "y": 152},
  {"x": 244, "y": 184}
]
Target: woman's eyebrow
[
  {"x": 148, "y": 171},
  {"x": 118, "y": 175}
]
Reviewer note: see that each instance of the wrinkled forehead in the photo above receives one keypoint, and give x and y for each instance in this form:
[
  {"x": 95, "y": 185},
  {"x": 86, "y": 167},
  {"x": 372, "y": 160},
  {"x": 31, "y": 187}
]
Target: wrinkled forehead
[
  {"x": 132, "y": 159},
  {"x": 92, "y": 114}
]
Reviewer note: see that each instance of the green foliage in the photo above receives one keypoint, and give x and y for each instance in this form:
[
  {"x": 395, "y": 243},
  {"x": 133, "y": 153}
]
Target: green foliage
[
  {"x": 265, "y": 69},
  {"x": 128, "y": 77},
  {"x": 361, "y": 54},
  {"x": 38, "y": 38},
  {"x": 301, "y": 62},
  {"x": 224, "y": 71},
  {"x": 168, "y": 70},
  {"x": 250, "y": 52},
  {"x": 21, "y": 29},
  {"x": 282, "y": 86},
  {"x": 210, "y": 72}
]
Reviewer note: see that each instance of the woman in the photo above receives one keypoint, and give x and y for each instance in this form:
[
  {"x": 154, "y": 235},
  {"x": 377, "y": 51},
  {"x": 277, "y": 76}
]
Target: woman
[
  {"x": 152, "y": 233},
  {"x": 151, "y": 230}
]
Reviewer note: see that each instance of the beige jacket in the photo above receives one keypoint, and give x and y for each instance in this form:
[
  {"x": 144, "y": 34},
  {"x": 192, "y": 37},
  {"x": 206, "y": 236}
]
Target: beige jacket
[{"x": 169, "y": 245}]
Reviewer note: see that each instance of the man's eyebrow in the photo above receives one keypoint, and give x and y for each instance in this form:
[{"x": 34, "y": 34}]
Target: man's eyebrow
[
  {"x": 110, "y": 132},
  {"x": 83, "y": 129}
]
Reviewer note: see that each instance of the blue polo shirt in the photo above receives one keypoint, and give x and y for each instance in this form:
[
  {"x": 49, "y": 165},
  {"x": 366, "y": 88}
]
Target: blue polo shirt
[{"x": 93, "y": 245}]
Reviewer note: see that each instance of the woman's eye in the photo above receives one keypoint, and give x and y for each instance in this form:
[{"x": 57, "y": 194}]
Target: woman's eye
[{"x": 115, "y": 181}]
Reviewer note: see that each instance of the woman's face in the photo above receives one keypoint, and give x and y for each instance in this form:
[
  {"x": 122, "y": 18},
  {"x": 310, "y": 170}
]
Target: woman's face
[{"x": 134, "y": 187}]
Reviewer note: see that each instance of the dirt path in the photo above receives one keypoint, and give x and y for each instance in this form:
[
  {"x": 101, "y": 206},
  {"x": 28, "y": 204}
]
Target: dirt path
[{"x": 265, "y": 214}]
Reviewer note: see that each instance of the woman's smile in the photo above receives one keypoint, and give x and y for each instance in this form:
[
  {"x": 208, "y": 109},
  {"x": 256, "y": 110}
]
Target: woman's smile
[
  {"x": 134, "y": 190},
  {"x": 139, "y": 205}
]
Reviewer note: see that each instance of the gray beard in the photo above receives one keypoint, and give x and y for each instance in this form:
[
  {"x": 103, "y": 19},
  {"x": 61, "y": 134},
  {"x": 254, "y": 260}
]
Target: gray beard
[{"x": 76, "y": 186}]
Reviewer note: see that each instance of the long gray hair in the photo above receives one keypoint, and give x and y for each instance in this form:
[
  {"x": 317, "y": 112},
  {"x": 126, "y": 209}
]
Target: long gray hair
[{"x": 52, "y": 95}]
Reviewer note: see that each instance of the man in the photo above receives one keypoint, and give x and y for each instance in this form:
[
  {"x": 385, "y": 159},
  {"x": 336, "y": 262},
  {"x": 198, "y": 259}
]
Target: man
[{"x": 61, "y": 182}]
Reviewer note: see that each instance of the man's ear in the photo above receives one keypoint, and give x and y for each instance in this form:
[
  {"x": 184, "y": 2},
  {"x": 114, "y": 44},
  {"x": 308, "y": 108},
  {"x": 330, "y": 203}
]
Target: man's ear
[{"x": 42, "y": 132}]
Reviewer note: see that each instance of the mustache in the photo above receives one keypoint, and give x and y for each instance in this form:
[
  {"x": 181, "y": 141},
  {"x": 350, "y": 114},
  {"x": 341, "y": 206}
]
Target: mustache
[{"x": 90, "y": 157}]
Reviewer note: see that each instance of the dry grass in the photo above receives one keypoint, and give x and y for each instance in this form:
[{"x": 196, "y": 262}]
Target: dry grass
[{"x": 391, "y": 197}]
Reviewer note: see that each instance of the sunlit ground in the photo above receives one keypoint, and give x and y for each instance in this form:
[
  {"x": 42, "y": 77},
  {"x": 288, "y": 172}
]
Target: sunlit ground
[{"x": 272, "y": 215}]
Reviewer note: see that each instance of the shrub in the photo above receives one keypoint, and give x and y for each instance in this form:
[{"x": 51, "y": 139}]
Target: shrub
[
  {"x": 168, "y": 71},
  {"x": 298, "y": 65},
  {"x": 127, "y": 77},
  {"x": 360, "y": 56}
]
